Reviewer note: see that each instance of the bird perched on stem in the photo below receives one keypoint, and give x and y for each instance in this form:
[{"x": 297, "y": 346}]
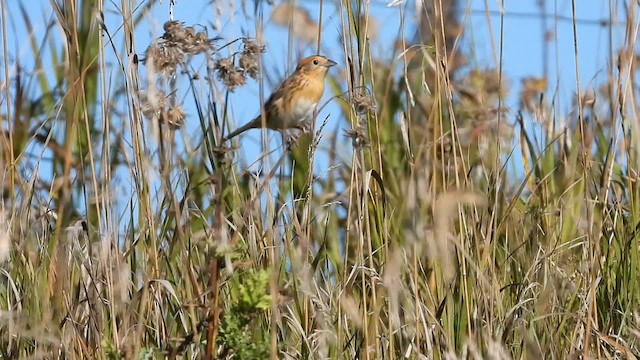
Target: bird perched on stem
[{"x": 292, "y": 104}]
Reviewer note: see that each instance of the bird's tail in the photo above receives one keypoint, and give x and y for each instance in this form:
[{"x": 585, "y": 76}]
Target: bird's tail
[{"x": 253, "y": 124}]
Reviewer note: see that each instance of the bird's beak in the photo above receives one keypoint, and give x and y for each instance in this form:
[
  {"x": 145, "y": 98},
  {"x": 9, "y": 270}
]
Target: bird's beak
[{"x": 329, "y": 63}]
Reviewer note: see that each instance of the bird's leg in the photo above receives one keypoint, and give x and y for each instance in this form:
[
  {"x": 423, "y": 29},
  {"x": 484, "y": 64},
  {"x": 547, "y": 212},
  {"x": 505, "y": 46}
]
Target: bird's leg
[
  {"x": 305, "y": 126},
  {"x": 291, "y": 138}
]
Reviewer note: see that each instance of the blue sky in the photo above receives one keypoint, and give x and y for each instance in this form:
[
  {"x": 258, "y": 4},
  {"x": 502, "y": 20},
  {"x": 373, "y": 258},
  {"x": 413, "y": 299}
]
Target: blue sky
[
  {"x": 522, "y": 37},
  {"x": 522, "y": 46},
  {"x": 522, "y": 41}
]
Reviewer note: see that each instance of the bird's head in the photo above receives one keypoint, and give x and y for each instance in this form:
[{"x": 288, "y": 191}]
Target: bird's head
[{"x": 315, "y": 66}]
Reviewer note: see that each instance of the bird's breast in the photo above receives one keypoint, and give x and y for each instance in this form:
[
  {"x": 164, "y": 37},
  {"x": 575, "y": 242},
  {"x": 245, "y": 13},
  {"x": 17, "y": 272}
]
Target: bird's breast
[
  {"x": 305, "y": 101},
  {"x": 302, "y": 109}
]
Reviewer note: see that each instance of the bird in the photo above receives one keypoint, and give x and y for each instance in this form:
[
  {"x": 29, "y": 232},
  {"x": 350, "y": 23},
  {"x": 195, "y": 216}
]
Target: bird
[{"x": 292, "y": 104}]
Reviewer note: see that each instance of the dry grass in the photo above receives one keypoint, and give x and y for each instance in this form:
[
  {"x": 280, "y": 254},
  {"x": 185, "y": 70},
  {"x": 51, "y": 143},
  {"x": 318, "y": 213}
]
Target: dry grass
[{"x": 123, "y": 234}]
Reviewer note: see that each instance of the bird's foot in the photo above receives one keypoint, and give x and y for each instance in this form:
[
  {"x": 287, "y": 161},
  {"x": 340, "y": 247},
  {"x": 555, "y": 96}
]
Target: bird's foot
[
  {"x": 305, "y": 127},
  {"x": 291, "y": 139}
]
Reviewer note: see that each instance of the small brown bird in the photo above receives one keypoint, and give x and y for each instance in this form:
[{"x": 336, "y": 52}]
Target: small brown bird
[{"x": 292, "y": 104}]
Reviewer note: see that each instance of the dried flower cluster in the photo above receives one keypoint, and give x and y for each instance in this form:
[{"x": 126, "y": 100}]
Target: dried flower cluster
[
  {"x": 174, "y": 116},
  {"x": 363, "y": 104},
  {"x": 233, "y": 76},
  {"x": 175, "y": 45},
  {"x": 230, "y": 75},
  {"x": 249, "y": 58},
  {"x": 159, "y": 107},
  {"x": 358, "y": 135}
]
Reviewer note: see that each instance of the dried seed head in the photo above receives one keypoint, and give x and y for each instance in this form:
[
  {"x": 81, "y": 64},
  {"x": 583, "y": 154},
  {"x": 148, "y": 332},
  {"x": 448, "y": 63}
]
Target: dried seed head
[
  {"x": 172, "y": 27},
  {"x": 154, "y": 105},
  {"x": 249, "y": 59},
  {"x": 224, "y": 64},
  {"x": 190, "y": 34},
  {"x": 234, "y": 79},
  {"x": 200, "y": 44},
  {"x": 231, "y": 76},
  {"x": 174, "y": 32},
  {"x": 157, "y": 107},
  {"x": 174, "y": 117},
  {"x": 249, "y": 65},
  {"x": 168, "y": 51},
  {"x": 358, "y": 136},
  {"x": 251, "y": 47},
  {"x": 165, "y": 59},
  {"x": 363, "y": 104}
]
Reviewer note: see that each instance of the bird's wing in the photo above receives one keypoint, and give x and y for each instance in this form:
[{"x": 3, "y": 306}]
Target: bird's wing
[
  {"x": 256, "y": 122},
  {"x": 272, "y": 108}
]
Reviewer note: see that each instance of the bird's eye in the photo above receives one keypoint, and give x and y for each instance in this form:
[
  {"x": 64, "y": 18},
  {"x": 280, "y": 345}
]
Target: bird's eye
[{"x": 315, "y": 62}]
